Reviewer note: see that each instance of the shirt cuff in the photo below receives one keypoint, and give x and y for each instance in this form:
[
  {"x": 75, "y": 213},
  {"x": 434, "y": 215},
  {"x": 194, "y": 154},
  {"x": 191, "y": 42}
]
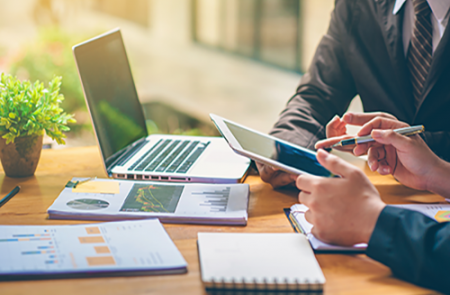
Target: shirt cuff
[{"x": 381, "y": 242}]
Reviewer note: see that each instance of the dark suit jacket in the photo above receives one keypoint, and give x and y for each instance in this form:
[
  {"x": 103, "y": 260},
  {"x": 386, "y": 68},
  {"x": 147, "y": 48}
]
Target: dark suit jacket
[
  {"x": 415, "y": 247},
  {"x": 362, "y": 53}
]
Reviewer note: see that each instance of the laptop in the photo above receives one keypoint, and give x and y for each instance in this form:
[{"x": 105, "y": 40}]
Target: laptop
[{"x": 128, "y": 151}]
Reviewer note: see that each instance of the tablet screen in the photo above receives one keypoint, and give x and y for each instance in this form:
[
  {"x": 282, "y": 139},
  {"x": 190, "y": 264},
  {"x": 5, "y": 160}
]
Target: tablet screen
[{"x": 267, "y": 147}]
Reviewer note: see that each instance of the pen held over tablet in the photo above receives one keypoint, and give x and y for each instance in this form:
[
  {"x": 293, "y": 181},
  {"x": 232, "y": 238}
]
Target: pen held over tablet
[{"x": 406, "y": 131}]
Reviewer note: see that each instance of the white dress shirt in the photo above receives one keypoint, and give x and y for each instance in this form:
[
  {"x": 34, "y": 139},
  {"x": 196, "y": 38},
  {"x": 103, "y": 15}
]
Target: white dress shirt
[{"x": 440, "y": 15}]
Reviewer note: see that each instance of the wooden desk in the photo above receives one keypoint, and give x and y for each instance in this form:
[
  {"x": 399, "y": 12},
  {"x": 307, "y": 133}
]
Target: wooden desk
[{"x": 345, "y": 274}]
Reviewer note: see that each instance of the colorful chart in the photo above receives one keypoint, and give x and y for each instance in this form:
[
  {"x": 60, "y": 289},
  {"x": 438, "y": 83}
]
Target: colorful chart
[
  {"x": 88, "y": 204},
  {"x": 442, "y": 216},
  {"x": 46, "y": 250},
  {"x": 152, "y": 198}
]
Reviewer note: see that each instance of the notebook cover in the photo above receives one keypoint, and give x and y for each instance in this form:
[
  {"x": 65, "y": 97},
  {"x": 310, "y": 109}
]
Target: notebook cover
[{"x": 254, "y": 261}]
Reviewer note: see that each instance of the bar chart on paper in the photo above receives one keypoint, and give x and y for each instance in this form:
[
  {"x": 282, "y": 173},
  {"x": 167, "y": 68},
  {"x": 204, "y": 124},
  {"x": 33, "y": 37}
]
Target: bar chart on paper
[
  {"x": 216, "y": 200},
  {"x": 206, "y": 201},
  {"x": 105, "y": 247}
]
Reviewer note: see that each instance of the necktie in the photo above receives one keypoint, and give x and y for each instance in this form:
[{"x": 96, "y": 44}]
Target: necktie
[{"x": 420, "y": 49}]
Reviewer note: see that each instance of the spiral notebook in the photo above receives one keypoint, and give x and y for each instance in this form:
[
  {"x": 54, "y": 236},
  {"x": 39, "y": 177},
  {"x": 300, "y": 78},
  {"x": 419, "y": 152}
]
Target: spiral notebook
[{"x": 254, "y": 261}]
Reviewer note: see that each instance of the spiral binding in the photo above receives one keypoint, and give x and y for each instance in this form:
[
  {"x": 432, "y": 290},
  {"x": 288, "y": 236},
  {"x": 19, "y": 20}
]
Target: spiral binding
[{"x": 221, "y": 286}]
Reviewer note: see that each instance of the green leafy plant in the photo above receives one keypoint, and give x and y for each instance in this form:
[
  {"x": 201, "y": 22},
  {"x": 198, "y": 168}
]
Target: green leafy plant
[{"x": 28, "y": 109}]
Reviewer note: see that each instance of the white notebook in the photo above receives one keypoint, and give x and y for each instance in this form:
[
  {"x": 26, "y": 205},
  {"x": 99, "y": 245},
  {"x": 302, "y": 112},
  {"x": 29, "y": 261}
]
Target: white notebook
[{"x": 254, "y": 261}]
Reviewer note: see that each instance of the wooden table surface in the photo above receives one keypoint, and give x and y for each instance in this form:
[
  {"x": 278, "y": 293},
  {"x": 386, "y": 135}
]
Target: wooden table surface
[{"x": 345, "y": 274}]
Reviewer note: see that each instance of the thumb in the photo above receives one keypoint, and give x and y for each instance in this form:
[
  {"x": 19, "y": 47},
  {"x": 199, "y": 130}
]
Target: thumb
[
  {"x": 334, "y": 164},
  {"x": 391, "y": 137}
]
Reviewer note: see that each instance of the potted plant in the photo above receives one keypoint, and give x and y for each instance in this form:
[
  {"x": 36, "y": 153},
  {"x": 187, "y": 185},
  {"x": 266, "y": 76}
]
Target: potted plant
[{"x": 26, "y": 111}]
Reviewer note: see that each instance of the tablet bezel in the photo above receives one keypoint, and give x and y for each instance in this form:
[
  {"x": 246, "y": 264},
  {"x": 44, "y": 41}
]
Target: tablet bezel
[{"x": 234, "y": 144}]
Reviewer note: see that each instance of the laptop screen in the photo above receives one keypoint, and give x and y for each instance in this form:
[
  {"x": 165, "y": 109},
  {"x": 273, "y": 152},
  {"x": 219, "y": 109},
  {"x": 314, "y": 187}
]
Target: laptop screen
[{"x": 110, "y": 93}]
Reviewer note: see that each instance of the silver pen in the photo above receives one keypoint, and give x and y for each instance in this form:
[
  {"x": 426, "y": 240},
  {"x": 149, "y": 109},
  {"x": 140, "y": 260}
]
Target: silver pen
[{"x": 406, "y": 131}]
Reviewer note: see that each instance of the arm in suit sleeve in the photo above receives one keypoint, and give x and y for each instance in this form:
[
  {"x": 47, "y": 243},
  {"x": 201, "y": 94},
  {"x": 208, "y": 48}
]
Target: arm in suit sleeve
[
  {"x": 414, "y": 246},
  {"x": 326, "y": 90},
  {"x": 439, "y": 143}
]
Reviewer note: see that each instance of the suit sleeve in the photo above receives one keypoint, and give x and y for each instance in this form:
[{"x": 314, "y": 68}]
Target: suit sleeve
[
  {"x": 414, "y": 246},
  {"x": 325, "y": 90},
  {"x": 439, "y": 143}
]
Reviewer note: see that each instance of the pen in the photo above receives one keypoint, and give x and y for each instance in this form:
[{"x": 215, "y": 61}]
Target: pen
[
  {"x": 10, "y": 195},
  {"x": 406, "y": 131}
]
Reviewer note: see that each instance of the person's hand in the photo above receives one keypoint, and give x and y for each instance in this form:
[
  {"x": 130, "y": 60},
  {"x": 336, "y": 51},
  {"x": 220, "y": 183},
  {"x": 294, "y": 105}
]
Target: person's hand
[
  {"x": 277, "y": 178},
  {"x": 344, "y": 210},
  {"x": 336, "y": 130},
  {"x": 408, "y": 159}
]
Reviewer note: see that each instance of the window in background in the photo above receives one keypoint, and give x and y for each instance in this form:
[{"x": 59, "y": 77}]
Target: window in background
[
  {"x": 265, "y": 30},
  {"x": 136, "y": 10}
]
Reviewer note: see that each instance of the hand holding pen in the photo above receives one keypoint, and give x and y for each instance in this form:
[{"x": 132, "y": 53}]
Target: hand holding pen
[
  {"x": 406, "y": 131},
  {"x": 407, "y": 158},
  {"x": 336, "y": 129}
]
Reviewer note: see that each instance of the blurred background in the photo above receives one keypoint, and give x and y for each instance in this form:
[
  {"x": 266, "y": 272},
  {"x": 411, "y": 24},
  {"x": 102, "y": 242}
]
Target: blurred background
[{"x": 241, "y": 59}]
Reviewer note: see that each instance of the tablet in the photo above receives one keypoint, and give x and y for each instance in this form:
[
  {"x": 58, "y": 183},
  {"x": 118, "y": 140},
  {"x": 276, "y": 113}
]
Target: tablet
[{"x": 269, "y": 150}]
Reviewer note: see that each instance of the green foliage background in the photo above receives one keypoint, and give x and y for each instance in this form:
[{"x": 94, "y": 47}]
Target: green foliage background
[
  {"x": 48, "y": 56},
  {"x": 28, "y": 109}
]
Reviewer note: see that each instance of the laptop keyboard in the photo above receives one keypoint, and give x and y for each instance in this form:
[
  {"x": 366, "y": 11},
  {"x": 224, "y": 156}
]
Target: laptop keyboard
[{"x": 170, "y": 156}]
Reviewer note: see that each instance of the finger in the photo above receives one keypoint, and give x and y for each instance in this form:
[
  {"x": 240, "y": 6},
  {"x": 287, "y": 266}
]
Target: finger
[
  {"x": 374, "y": 155},
  {"x": 391, "y": 158},
  {"x": 384, "y": 168},
  {"x": 335, "y": 127},
  {"x": 306, "y": 182},
  {"x": 390, "y": 137},
  {"x": 330, "y": 141},
  {"x": 361, "y": 149},
  {"x": 281, "y": 178},
  {"x": 264, "y": 168},
  {"x": 360, "y": 119},
  {"x": 275, "y": 177},
  {"x": 335, "y": 122},
  {"x": 380, "y": 123},
  {"x": 348, "y": 149},
  {"x": 388, "y": 162},
  {"x": 266, "y": 172},
  {"x": 309, "y": 216},
  {"x": 304, "y": 198},
  {"x": 318, "y": 234},
  {"x": 334, "y": 164}
]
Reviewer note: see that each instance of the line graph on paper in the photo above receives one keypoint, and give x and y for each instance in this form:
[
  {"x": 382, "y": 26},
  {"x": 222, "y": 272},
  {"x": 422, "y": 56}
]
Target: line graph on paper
[{"x": 152, "y": 198}]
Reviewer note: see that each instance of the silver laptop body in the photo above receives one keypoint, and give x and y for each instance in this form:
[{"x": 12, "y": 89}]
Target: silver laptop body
[{"x": 128, "y": 151}]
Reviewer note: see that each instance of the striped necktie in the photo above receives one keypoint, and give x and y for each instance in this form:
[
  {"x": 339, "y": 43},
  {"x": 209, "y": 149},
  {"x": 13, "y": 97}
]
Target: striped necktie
[{"x": 420, "y": 50}]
